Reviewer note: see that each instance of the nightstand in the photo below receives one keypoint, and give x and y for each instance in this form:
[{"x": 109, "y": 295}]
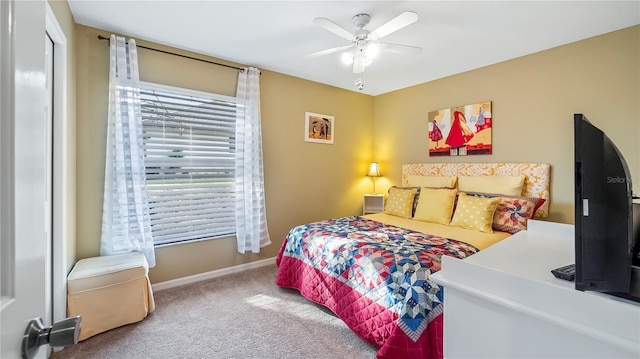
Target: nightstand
[{"x": 372, "y": 203}]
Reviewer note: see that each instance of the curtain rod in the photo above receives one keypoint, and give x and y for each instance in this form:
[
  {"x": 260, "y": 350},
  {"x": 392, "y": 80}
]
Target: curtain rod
[{"x": 100, "y": 37}]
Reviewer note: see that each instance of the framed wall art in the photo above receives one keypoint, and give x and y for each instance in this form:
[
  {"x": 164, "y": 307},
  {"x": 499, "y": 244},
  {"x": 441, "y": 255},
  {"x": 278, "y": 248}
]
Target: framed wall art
[
  {"x": 460, "y": 131},
  {"x": 319, "y": 128}
]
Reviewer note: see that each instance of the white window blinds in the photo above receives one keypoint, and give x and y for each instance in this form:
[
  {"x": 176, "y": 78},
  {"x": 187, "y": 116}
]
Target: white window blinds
[{"x": 189, "y": 147}]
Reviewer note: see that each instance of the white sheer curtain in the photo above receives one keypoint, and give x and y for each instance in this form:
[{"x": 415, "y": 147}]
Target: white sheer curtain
[
  {"x": 251, "y": 218},
  {"x": 125, "y": 217}
]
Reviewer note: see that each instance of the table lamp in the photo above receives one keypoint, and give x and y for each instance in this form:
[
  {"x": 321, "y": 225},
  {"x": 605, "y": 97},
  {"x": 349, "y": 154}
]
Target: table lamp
[{"x": 374, "y": 171}]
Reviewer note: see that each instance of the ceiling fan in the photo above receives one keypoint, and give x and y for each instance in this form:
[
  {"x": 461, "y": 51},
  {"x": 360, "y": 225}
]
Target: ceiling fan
[{"x": 365, "y": 44}]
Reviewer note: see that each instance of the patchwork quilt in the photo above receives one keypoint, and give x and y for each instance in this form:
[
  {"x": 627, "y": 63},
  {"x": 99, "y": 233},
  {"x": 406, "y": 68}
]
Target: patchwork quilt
[{"x": 375, "y": 277}]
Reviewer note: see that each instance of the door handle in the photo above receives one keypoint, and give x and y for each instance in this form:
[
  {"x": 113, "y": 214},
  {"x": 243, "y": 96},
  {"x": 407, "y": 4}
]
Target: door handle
[{"x": 61, "y": 334}]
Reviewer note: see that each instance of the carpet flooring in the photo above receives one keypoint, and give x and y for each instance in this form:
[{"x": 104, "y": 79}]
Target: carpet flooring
[{"x": 243, "y": 315}]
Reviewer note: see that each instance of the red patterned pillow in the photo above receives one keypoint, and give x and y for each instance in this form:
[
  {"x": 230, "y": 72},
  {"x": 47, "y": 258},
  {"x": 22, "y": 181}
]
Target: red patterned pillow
[{"x": 513, "y": 212}]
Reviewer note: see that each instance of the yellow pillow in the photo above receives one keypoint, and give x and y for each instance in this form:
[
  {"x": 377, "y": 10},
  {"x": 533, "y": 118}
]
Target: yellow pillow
[
  {"x": 511, "y": 185},
  {"x": 432, "y": 181},
  {"x": 400, "y": 202},
  {"x": 475, "y": 213},
  {"x": 435, "y": 205}
]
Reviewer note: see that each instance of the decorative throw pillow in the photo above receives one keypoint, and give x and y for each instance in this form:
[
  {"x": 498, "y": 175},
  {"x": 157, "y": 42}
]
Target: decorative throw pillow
[
  {"x": 415, "y": 198},
  {"x": 432, "y": 181},
  {"x": 509, "y": 185},
  {"x": 400, "y": 202},
  {"x": 513, "y": 212},
  {"x": 435, "y": 205},
  {"x": 475, "y": 213}
]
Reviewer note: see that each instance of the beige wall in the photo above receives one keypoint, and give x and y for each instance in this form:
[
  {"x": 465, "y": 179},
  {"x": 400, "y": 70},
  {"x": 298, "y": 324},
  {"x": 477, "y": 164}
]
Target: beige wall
[
  {"x": 533, "y": 102},
  {"x": 304, "y": 181},
  {"x": 65, "y": 19}
]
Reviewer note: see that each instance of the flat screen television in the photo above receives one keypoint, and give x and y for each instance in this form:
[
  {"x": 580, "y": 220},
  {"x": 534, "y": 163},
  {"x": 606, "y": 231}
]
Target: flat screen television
[{"x": 606, "y": 237}]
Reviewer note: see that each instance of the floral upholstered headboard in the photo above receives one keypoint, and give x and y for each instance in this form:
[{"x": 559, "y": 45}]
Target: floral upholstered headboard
[{"x": 536, "y": 175}]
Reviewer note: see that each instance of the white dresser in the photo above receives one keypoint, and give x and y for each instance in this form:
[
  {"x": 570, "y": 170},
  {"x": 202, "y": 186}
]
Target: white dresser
[{"x": 503, "y": 302}]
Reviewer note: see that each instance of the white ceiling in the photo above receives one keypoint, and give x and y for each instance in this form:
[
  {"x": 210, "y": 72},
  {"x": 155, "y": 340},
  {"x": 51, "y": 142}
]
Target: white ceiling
[{"x": 455, "y": 36}]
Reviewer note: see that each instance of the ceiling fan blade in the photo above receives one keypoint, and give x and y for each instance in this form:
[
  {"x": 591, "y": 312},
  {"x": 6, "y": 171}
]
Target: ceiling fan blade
[
  {"x": 329, "y": 51},
  {"x": 333, "y": 27},
  {"x": 397, "y": 23},
  {"x": 399, "y": 48}
]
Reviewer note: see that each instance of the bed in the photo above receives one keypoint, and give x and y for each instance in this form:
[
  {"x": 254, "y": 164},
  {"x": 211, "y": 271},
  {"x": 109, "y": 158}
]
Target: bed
[{"x": 373, "y": 271}]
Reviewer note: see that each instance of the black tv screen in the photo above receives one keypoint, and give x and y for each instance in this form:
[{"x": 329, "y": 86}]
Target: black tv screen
[{"x": 603, "y": 212}]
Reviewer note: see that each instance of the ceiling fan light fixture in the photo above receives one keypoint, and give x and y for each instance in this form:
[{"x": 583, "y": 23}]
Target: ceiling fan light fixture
[
  {"x": 364, "y": 45},
  {"x": 360, "y": 61},
  {"x": 372, "y": 50},
  {"x": 347, "y": 58}
]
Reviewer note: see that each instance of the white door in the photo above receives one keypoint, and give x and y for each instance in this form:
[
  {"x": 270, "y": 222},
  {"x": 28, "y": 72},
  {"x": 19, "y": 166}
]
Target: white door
[
  {"x": 48, "y": 141},
  {"x": 23, "y": 172}
]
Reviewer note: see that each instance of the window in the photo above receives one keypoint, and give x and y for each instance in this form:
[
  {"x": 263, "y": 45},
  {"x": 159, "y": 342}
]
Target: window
[{"x": 189, "y": 149}]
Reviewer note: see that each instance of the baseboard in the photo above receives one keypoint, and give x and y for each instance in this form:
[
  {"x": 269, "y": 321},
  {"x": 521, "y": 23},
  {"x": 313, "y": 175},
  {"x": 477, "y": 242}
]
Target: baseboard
[{"x": 213, "y": 274}]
